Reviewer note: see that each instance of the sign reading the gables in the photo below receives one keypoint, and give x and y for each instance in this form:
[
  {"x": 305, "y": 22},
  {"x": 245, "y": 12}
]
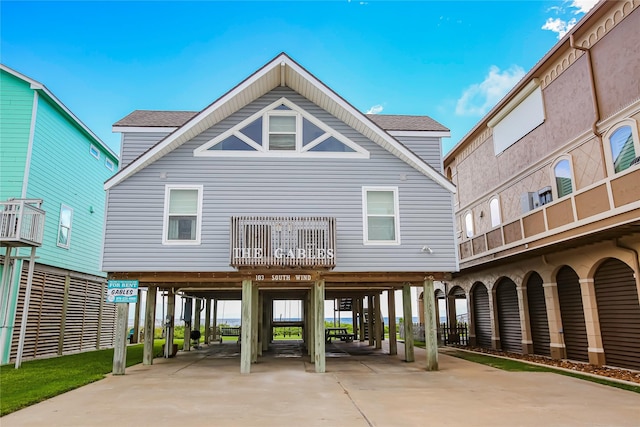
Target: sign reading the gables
[{"x": 280, "y": 253}]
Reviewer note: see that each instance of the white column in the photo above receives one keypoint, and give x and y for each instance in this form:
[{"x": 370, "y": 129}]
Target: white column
[
  {"x": 25, "y": 308},
  {"x": 430, "y": 325},
  {"x": 408, "y": 324},
  {"x": 245, "y": 348},
  {"x": 149, "y": 325}
]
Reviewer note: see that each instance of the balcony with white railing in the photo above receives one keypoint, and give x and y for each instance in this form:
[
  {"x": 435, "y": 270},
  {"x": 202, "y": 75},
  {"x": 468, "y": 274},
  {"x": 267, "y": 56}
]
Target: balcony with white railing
[
  {"x": 21, "y": 222},
  {"x": 604, "y": 205},
  {"x": 283, "y": 242}
]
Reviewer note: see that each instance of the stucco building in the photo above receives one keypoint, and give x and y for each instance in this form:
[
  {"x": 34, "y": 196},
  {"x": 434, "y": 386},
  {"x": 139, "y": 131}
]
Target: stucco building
[{"x": 548, "y": 203}]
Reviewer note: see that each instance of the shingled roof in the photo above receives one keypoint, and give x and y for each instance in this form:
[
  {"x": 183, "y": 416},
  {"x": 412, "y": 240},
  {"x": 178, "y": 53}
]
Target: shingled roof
[
  {"x": 406, "y": 123},
  {"x": 388, "y": 122},
  {"x": 150, "y": 118}
]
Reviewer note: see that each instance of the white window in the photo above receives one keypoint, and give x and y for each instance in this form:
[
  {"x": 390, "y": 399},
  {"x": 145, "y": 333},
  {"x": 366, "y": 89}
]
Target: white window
[
  {"x": 94, "y": 151},
  {"x": 623, "y": 144},
  {"x": 282, "y": 132},
  {"x": 64, "y": 226},
  {"x": 380, "y": 215},
  {"x": 494, "y": 207},
  {"x": 468, "y": 224},
  {"x": 182, "y": 215},
  {"x": 562, "y": 176},
  {"x": 109, "y": 164},
  {"x": 282, "y": 129}
]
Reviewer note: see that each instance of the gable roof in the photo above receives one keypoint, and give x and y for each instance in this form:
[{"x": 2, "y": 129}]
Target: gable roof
[
  {"x": 42, "y": 89},
  {"x": 392, "y": 122},
  {"x": 280, "y": 71}
]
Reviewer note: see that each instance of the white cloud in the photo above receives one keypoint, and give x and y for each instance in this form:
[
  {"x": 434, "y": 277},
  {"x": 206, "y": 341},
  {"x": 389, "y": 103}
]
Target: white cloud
[
  {"x": 562, "y": 26},
  {"x": 478, "y": 98},
  {"x": 583, "y": 6},
  {"x": 376, "y": 109},
  {"x": 559, "y": 26}
]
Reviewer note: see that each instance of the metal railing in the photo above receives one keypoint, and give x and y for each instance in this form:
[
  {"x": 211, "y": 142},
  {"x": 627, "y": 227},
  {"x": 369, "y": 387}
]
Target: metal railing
[
  {"x": 22, "y": 222},
  {"x": 307, "y": 242}
]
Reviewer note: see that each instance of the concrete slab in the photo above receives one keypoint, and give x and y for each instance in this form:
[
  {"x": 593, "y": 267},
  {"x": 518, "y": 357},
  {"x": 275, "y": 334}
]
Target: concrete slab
[{"x": 362, "y": 387}]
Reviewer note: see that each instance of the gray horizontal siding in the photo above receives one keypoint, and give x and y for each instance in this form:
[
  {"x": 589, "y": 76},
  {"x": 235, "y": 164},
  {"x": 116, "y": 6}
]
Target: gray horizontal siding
[
  {"x": 136, "y": 143},
  {"x": 427, "y": 148},
  {"x": 278, "y": 187}
]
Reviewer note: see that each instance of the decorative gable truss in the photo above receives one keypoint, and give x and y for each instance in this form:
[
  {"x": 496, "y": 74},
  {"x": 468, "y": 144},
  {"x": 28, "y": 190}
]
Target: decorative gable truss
[{"x": 282, "y": 129}]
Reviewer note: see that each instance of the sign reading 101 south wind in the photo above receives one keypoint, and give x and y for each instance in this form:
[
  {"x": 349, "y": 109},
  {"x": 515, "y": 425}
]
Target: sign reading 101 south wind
[{"x": 122, "y": 291}]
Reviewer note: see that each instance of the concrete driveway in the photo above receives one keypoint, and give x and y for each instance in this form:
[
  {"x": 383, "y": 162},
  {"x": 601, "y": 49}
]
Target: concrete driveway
[{"x": 361, "y": 388}]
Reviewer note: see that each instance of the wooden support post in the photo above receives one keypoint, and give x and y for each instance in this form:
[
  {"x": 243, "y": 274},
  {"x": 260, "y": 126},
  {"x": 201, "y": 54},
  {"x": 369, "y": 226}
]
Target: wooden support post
[
  {"x": 261, "y": 323},
  {"x": 378, "y": 321},
  {"x": 319, "y": 356},
  {"x": 188, "y": 314},
  {"x": 214, "y": 322},
  {"x": 408, "y": 324},
  {"x": 207, "y": 320},
  {"x": 361, "y": 307},
  {"x": 267, "y": 315},
  {"x": 430, "y": 325},
  {"x": 196, "y": 314},
  {"x": 149, "y": 325},
  {"x": 255, "y": 317},
  {"x": 136, "y": 319},
  {"x": 170, "y": 323},
  {"x": 393, "y": 340},
  {"x": 245, "y": 348},
  {"x": 354, "y": 317},
  {"x": 370, "y": 315},
  {"x": 312, "y": 324},
  {"x": 120, "y": 344},
  {"x": 25, "y": 308}
]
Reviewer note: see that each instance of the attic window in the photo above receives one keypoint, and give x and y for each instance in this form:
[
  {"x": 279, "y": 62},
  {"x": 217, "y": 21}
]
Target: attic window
[
  {"x": 94, "y": 151},
  {"x": 282, "y": 129}
]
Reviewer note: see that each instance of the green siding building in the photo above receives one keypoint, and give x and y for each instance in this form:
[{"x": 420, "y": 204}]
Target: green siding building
[{"x": 47, "y": 153}]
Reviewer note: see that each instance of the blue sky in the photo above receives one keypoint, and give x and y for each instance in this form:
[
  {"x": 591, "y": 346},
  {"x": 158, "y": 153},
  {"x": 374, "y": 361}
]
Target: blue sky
[{"x": 451, "y": 60}]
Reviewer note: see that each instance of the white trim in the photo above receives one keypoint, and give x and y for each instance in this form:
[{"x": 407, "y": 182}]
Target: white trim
[
  {"x": 143, "y": 129},
  {"x": 365, "y": 216},
  {"x": 263, "y": 150},
  {"x": 32, "y": 132},
  {"x": 497, "y": 199},
  {"x": 466, "y": 226},
  {"x": 39, "y": 86},
  {"x": 425, "y": 133},
  {"x": 68, "y": 245},
  {"x": 165, "y": 217},
  {"x": 608, "y": 155},
  {"x": 554, "y": 183},
  {"x": 382, "y": 138},
  {"x": 93, "y": 148}
]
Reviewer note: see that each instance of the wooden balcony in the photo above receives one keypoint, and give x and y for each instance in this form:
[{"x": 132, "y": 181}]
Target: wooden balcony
[
  {"x": 21, "y": 222},
  {"x": 605, "y": 205},
  {"x": 285, "y": 242}
]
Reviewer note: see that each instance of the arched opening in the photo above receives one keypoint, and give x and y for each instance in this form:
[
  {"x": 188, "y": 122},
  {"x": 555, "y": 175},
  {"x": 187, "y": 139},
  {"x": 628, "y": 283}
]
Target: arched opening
[
  {"x": 509, "y": 316},
  {"x": 574, "y": 329},
  {"x": 481, "y": 315},
  {"x": 538, "y": 321},
  {"x": 619, "y": 313}
]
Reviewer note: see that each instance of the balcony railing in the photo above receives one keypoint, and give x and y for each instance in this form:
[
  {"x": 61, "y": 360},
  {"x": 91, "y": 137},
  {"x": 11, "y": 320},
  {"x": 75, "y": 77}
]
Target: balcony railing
[
  {"x": 21, "y": 222},
  {"x": 602, "y": 201},
  {"x": 301, "y": 242}
]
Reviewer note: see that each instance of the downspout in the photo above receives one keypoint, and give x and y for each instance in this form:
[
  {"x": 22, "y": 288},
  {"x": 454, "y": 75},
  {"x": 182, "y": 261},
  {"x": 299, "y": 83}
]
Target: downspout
[{"x": 594, "y": 96}]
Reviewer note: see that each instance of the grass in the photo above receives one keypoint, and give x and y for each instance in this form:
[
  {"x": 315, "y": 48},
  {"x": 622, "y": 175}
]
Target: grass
[
  {"x": 517, "y": 366},
  {"x": 38, "y": 380}
]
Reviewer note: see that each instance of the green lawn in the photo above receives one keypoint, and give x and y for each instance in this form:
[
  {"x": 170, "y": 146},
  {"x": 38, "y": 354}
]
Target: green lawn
[{"x": 38, "y": 380}]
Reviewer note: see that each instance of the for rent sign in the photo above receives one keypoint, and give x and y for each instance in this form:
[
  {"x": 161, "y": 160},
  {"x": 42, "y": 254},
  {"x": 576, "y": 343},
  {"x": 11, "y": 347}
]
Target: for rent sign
[{"x": 122, "y": 291}]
